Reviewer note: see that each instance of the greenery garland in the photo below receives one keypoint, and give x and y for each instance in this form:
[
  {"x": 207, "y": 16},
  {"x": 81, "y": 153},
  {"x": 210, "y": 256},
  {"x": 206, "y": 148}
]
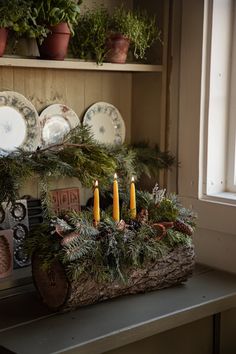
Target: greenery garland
[{"x": 80, "y": 156}]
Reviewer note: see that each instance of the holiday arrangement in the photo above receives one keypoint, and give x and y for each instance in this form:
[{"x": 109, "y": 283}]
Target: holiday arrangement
[
  {"x": 128, "y": 241},
  {"x": 82, "y": 258}
]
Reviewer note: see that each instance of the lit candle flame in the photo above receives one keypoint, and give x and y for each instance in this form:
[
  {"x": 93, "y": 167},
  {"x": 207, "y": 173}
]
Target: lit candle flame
[
  {"x": 96, "y": 204},
  {"x": 133, "y": 211},
  {"x": 116, "y": 207}
]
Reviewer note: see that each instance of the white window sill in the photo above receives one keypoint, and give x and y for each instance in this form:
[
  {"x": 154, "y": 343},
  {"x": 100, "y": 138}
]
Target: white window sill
[{"x": 225, "y": 198}]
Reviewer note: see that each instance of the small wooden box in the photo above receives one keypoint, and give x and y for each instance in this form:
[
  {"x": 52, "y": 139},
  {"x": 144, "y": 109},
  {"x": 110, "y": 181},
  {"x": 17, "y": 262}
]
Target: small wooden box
[{"x": 65, "y": 200}]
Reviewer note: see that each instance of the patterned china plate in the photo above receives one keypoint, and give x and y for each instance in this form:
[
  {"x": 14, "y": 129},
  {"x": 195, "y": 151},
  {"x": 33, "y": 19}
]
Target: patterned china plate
[
  {"x": 56, "y": 121},
  {"x": 19, "y": 123},
  {"x": 106, "y": 123}
]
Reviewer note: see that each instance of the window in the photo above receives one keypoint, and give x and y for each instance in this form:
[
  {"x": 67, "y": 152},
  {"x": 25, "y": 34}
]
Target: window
[
  {"x": 215, "y": 237},
  {"x": 219, "y": 161}
]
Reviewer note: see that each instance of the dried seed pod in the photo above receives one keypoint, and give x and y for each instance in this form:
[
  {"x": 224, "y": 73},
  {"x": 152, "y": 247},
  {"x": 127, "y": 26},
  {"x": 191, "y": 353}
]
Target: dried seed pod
[
  {"x": 167, "y": 224},
  {"x": 160, "y": 230}
]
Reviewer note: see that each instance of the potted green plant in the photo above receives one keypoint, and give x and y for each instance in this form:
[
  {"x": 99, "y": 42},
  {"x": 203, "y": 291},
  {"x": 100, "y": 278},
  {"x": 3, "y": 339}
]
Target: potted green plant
[
  {"x": 101, "y": 36},
  {"x": 15, "y": 15},
  {"x": 91, "y": 34},
  {"x": 130, "y": 29},
  {"x": 58, "y": 18}
]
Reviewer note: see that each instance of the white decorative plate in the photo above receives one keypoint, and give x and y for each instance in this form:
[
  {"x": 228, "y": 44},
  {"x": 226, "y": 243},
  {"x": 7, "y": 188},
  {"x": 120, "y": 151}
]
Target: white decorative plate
[
  {"x": 106, "y": 123},
  {"x": 19, "y": 123},
  {"x": 56, "y": 121}
]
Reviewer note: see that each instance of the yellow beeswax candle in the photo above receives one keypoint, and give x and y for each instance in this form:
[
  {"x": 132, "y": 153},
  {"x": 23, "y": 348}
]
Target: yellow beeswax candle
[
  {"x": 96, "y": 203},
  {"x": 116, "y": 206},
  {"x": 133, "y": 211}
]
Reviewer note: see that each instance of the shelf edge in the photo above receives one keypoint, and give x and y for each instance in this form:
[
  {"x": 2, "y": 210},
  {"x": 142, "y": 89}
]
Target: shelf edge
[{"x": 76, "y": 65}]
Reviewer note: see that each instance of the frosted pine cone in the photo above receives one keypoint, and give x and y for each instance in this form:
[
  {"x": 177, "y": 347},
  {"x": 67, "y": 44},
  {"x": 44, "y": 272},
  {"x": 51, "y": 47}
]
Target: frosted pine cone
[{"x": 182, "y": 227}]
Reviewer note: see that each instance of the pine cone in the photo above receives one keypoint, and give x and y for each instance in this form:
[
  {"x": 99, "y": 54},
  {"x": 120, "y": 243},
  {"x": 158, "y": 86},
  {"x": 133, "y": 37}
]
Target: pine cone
[
  {"x": 182, "y": 227},
  {"x": 69, "y": 238},
  {"x": 5, "y": 255}
]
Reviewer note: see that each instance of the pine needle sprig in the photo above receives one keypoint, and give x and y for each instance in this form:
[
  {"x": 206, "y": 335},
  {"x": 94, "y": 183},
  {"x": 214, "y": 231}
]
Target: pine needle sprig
[
  {"x": 125, "y": 158},
  {"x": 150, "y": 160},
  {"x": 42, "y": 241},
  {"x": 75, "y": 218},
  {"x": 14, "y": 171},
  {"x": 78, "y": 249},
  {"x": 144, "y": 199},
  {"x": 187, "y": 215},
  {"x": 175, "y": 238}
]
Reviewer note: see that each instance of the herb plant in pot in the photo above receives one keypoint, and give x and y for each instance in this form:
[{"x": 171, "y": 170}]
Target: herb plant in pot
[
  {"x": 58, "y": 17},
  {"x": 15, "y": 15},
  {"x": 130, "y": 29},
  {"x": 89, "y": 41}
]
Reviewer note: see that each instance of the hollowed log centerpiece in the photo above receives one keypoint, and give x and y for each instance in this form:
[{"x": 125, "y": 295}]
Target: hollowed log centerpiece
[{"x": 59, "y": 293}]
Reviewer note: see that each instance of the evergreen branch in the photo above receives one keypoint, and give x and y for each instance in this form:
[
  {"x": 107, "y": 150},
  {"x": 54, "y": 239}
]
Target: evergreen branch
[
  {"x": 150, "y": 160},
  {"x": 175, "y": 238},
  {"x": 63, "y": 145}
]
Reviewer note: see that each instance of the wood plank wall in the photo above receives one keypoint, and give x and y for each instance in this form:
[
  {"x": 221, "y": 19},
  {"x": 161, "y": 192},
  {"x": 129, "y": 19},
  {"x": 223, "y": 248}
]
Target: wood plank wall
[{"x": 76, "y": 89}]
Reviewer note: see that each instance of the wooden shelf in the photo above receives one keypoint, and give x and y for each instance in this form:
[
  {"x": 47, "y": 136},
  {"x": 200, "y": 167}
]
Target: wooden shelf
[
  {"x": 73, "y": 64},
  {"x": 27, "y": 327}
]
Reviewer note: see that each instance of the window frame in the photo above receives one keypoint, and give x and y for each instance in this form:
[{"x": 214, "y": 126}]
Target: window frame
[
  {"x": 216, "y": 108},
  {"x": 193, "y": 113},
  {"x": 231, "y": 158}
]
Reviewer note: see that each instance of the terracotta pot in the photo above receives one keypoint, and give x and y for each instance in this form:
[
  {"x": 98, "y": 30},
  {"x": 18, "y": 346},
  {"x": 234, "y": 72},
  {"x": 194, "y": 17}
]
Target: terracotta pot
[
  {"x": 56, "y": 43},
  {"x": 3, "y": 40},
  {"x": 117, "y": 46}
]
